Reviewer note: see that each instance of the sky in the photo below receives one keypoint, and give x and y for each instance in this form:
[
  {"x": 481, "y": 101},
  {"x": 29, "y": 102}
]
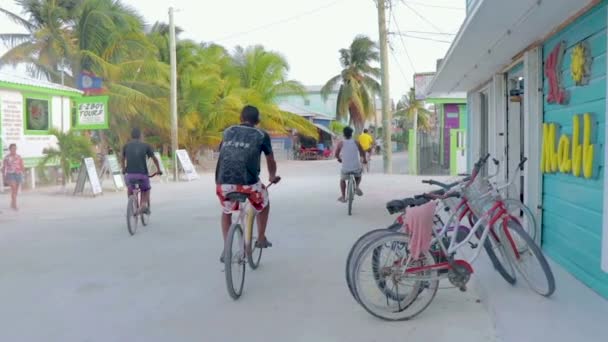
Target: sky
[{"x": 310, "y": 33}]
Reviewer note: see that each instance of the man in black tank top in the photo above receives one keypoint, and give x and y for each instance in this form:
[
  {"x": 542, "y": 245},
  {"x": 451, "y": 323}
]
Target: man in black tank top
[{"x": 238, "y": 170}]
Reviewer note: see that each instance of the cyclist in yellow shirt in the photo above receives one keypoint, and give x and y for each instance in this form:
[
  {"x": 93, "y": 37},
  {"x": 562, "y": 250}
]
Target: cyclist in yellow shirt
[{"x": 367, "y": 143}]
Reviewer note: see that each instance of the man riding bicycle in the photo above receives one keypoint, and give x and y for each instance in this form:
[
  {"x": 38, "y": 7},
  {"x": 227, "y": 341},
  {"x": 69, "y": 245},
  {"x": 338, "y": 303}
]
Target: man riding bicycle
[
  {"x": 367, "y": 143},
  {"x": 350, "y": 153},
  {"x": 238, "y": 170},
  {"x": 134, "y": 162}
]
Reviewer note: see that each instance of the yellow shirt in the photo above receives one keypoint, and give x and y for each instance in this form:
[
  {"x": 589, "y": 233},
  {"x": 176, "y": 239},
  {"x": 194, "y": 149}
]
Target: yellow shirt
[{"x": 366, "y": 140}]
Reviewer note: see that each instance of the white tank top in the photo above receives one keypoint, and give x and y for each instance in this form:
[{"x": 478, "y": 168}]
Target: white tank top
[{"x": 351, "y": 159}]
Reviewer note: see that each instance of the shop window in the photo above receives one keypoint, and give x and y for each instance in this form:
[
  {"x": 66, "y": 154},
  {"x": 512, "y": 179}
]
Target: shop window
[{"x": 37, "y": 114}]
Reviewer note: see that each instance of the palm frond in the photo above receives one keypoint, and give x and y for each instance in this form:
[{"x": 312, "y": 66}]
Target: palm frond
[
  {"x": 18, "y": 19},
  {"x": 329, "y": 87}
]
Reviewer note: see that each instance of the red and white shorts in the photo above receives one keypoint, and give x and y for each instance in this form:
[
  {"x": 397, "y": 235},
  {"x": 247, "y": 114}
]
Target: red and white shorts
[{"x": 258, "y": 196}]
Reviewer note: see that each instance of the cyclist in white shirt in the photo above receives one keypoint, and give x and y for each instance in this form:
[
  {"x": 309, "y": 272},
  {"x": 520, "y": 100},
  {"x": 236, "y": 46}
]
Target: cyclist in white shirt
[{"x": 350, "y": 153}]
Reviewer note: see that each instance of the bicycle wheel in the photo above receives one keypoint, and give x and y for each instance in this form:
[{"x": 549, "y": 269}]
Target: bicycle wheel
[
  {"x": 496, "y": 253},
  {"x": 234, "y": 261},
  {"x": 145, "y": 218},
  {"x": 254, "y": 254},
  {"x": 524, "y": 216},
  {"x": 361, "y": 242},
  {"x": 530, "y": 262},
  {"x": 132, "y": 219},
  {"x": 414, "y": 292},
  {"x": 351, "y": 194}
]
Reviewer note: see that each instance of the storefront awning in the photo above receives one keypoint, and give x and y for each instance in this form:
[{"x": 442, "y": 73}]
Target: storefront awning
[
  {"x": 493, "y": 33},
  {"x": 325, "y": 129}
]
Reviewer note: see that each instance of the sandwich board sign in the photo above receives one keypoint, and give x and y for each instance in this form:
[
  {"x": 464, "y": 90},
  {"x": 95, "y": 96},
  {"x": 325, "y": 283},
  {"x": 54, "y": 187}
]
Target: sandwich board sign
[
  {"x": 88, "y": 173},
  {"x": 186, "y": 164},
  {"x": 112, "y": 168},
  {"x": 151, "y": 165}
]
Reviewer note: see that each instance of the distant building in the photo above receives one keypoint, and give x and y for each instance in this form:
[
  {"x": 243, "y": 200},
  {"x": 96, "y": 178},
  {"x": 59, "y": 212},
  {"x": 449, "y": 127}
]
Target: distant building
[{"x": 313, "y": 101}]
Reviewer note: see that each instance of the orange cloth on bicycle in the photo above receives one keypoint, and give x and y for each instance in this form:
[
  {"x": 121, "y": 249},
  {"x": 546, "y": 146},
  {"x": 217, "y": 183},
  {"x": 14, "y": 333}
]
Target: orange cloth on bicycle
[
  {"x": 366, "y": 140},
  {"x": 419, "y": 225}
]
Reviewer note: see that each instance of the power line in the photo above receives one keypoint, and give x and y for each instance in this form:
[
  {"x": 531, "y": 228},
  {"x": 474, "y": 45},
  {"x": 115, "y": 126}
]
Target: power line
[
  {"x": 279, "y": 22},
  {"x": 435, "y": 6},
  {"x": 421, "y": 38},
  {"x": 407, "y": 82},
  {"x": 427, "y": 32},
  {"x": 409, "y": 58},
  {"x": 422, "y": 17}
]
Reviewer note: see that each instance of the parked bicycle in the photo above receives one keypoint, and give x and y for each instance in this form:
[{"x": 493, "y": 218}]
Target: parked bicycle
[
  {"x": 240, "y": 250},
  {"x": 135, "y": 212},
  {"x": 391, "y": 283}
]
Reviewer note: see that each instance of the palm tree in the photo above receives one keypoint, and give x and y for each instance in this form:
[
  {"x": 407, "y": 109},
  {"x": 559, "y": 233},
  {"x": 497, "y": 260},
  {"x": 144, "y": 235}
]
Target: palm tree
[
  {"x": 358, "y": 82},
  {"x": 212, "y": 96},
  {"x": 265, "y": 72},
  {"x": 102, "y": 36},
  {"x": 413, "y": 110},
  {"x": 47, "y": 41},
  {"x": 71, "y": 149}
]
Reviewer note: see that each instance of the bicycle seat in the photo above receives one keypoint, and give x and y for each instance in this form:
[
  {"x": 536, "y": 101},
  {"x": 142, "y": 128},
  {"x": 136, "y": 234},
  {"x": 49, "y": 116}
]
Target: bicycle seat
[
  {"x": 136, "y": 182},
  {"x": 237, "y": 196}
]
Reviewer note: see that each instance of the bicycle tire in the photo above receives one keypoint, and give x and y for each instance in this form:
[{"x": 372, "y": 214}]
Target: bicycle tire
[
  {"x": 491, "y": 244},
  {"x": 356, "y": 248},
  {"x": 235, "y": 234},
  {"x": 412, "y": 300},
  {"x": 524, "y": 215},
  {"x": 254, "y": 255},
  {"x": 512, "y": 227},
  {"x": 131, "y": 215},
  {"x": 145, "y": 218},
  {"x": 351, "y": 194}
]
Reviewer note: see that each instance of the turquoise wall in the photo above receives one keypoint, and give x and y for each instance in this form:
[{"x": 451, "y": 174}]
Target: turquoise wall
[{"x": 572, "y": 206}]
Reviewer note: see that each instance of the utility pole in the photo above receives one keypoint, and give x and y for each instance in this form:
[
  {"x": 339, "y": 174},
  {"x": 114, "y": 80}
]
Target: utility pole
[
  {"x": 173, "y": 58},
  {"x": 386, "y": 105}
]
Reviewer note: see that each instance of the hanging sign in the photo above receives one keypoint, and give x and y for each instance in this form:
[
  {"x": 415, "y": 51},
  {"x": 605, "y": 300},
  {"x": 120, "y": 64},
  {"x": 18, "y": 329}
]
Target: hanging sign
[
  {"x": 186, "y": 164},
  {"x": 92, "y": 113},
  {"x": 88, "y": 172}
]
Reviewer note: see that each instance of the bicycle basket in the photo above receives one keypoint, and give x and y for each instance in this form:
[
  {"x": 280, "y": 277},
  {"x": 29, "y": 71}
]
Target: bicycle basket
[{"x": 480, "y": 195}]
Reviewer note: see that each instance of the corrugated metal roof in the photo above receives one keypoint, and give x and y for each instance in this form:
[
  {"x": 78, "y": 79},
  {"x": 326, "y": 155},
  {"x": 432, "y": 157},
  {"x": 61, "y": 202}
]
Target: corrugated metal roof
[
  {"x": 26, "y": 81},
  {"x": 288, "y": 107}
]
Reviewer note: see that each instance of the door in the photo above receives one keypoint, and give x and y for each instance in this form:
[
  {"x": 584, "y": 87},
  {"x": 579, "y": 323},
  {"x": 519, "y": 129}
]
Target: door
[
  {"x": 515, "y": 136},
  {"x": 484, "y": 122}
]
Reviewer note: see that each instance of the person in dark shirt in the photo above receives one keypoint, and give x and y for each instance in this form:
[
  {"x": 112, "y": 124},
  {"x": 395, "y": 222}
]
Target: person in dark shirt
[
  {"x": 134, "y": 162},
  {"x": 238, "y": 170}
]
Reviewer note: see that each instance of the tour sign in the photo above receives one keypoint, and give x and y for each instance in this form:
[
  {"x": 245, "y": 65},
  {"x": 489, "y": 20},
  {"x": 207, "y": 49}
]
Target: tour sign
[{"x": 92, "y": 113}]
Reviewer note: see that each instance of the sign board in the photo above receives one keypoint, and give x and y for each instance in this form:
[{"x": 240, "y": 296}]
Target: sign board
[
  {"x": 92, "y": 113},
  {"x": 88, "y": 172},
  {"x": 151, "y": 166},
  {"x": 278, "y": 145},
  {"x": 422, "y": 82},
  {"x": 112, "y": 168},
  {"x": 186, "y": 164}
]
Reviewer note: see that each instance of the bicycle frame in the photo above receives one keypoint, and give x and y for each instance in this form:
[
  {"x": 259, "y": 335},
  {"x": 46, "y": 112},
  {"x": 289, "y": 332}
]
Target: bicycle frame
[{"x": 490, "y": 218}]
